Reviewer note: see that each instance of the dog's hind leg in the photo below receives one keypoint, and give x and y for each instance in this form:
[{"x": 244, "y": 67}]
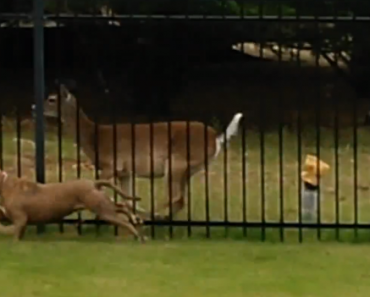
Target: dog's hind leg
[
  {"x": 133, "y": 218},
  {"x": 114, "y": 219},
  {"x": 104, "y": 208}
]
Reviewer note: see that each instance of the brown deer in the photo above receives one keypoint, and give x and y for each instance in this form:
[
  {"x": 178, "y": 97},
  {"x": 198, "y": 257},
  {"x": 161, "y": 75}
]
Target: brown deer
[{"x": 169, "y": 146}]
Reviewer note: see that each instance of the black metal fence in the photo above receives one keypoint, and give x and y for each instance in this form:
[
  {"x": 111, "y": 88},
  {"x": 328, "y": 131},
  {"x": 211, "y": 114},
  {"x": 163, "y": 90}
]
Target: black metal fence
[{"x": 150, "y": 88}]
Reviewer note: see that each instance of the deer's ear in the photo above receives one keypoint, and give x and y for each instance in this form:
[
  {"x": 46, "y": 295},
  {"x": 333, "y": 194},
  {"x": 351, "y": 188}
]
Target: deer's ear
[{"x": 64, "y": 93}]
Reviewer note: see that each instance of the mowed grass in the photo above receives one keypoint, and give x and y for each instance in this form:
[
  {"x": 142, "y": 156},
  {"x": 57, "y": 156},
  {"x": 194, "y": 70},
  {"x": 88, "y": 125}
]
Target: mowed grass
[
  {"x": 57, "y": 266},
  {"x": 269, "y": 190}
]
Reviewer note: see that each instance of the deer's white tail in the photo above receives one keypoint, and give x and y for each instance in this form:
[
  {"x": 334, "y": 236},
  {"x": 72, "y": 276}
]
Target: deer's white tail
[{"x": 231, "y": 131}]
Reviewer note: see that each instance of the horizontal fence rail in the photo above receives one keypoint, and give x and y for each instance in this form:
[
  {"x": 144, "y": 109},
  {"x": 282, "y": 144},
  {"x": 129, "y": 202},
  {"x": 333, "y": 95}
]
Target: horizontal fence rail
[
  {"x": 90, "y": 17},
  {"x": 255, "y": 129}
]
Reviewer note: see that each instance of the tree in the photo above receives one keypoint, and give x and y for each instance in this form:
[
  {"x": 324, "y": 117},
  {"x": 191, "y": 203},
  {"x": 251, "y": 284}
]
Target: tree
[{"x": 202, "y": 41}]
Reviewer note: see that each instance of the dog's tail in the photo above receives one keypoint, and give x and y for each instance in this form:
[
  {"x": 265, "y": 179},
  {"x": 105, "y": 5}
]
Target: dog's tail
[
  {"x": 105, "y": 183},
  {"x": 231, "y": 130}
]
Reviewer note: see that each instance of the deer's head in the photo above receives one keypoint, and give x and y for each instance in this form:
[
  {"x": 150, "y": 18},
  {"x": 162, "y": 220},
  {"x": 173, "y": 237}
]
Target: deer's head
[{"x": 64, "y": 99}]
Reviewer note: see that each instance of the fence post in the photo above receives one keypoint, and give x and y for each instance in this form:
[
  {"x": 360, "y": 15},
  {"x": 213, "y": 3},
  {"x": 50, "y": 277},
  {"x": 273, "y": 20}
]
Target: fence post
[{"x": 39, "y": 81}]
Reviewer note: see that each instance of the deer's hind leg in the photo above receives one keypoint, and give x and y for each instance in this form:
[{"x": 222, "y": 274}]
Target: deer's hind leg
[{"x": 177, "y": 180}]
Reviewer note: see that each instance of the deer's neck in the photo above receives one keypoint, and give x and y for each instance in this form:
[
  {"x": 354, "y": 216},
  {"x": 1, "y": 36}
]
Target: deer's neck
[{"x": 85, "y": 125}]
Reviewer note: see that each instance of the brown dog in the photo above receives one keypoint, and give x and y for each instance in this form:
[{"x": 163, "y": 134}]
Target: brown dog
[{"x": 25, "y": 202}]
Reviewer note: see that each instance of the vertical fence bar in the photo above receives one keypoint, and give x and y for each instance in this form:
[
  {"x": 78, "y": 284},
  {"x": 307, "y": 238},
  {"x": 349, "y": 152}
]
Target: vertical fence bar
[
  {"x": 188, "y": 154},
  {"x": 226, "y": 204},
  {"x": 1, "y": 137},
  {"x": 206, "y": 180},
  {"x": 299, "y": 177},
  {"x": 19, "y": 142},
  {"x": 336, "y": 142},
  {"x": 262, "y": 133},
  {"x": 280, "y": 131},
  {"x": 226, "y": 209},
  {"x": 355, "y": 167},
  {"x": 78, "y": 142},
  {"x": 244, "y": 151},
  {"x": 60, "y": 147},
  {"x": 299, "y": 136},
  {"x": 170, "y": 192},
  {"x": 18, "y": 139},
  {"x": 113, "y": 112},
  {"x": 355, "y": 159},
  {"x": 152, "y": 193},
  {"x": 336, "y": 166},
  {"x": 59, "y": 119},
  {"x": 133, "y": 160},
  {"x": 336, "y": 170},
  {"x": 188, "y": 180},
  {"x": 18, "y": 113},
  {"x": 318, "y": 126},
  {"x": 114, "y": 118},
  {"x": 78, "y": 157},
  {"x": 97, "y": 157},
  {"x": 244, "y": 179},
  {"x": 96, "y": 113},
  {"x": 39, "y": 81}
]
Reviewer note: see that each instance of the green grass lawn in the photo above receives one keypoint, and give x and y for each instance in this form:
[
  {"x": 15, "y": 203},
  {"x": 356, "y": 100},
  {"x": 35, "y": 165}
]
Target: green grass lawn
[
  {"x": 58, "y": 266},
  {"x": 55, "y": 264}
]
